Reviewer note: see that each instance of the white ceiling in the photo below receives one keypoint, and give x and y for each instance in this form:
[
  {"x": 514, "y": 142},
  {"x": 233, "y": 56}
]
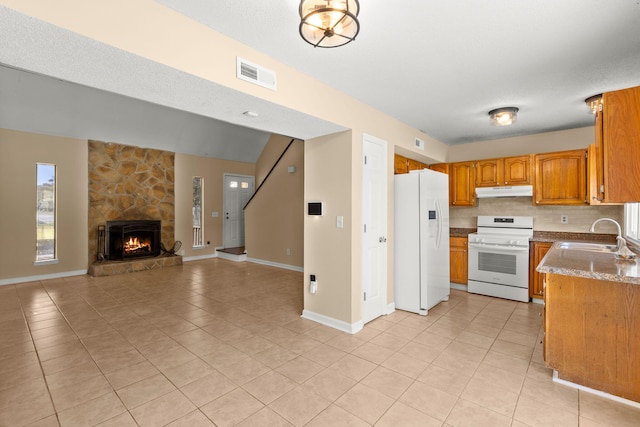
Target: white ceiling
[{"x": 438, "y": 66}]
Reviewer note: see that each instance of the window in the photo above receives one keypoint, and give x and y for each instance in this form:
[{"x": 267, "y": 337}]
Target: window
[
  {"x": 45, "y": 212},
  {"x": 632, "y": 221},
  {"x": 198, "y": 230}
]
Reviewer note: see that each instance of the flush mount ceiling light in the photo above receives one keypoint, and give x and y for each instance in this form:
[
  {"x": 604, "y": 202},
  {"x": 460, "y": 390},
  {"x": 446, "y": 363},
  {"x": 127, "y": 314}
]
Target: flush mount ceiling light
[
  {"x": 503, "y": 116},
  {"x": 594, "y": 103},
  {"x": 329, "y": 23}
]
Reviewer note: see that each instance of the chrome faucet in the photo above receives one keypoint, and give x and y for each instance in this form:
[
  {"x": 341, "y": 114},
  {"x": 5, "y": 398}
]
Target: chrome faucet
[{"x": 622, "y": 251}]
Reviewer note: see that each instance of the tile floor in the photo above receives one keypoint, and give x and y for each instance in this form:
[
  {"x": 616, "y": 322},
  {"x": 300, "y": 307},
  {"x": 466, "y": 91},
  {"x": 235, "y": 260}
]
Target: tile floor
[{"x": 221, "y": 343}]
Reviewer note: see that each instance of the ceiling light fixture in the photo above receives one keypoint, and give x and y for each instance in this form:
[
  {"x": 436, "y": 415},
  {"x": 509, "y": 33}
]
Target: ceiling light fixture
[
  {"x": 329, "y": 23},
  {"x": 503, "y": 116},
  {"x": 594, "y": 103}
]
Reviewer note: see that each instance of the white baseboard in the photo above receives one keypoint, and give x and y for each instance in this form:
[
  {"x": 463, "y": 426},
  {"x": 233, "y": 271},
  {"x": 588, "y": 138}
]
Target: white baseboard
[
  {"x": 231, "y": 257},
  {"x": 350, "y": 328},
  {"x": 390, "y": 308},
  {"x": 594, "y": 391},
  {"x": 458, "y": 286},
  {"x": 276, "y": 264},
  {"x": 60, "y": 275},
  {"x": 199, "y": 257},
  {"x": 537, "y": 301}
]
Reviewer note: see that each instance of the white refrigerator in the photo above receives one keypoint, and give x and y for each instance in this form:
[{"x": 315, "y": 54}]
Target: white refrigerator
[{"x": 421, "y": 240}]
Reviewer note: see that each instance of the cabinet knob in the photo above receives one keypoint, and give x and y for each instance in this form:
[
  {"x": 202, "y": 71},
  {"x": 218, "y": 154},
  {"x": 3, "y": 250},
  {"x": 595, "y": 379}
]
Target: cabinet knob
[
  {"x": 505, "y": 183},
  {"x": 537, "y": 202}
]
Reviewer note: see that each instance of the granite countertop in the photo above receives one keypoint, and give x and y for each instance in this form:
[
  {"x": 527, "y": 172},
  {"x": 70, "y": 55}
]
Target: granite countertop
[
  {"x": 561, "y": 236},
  {"x": 589, "y": 265},
  {"x": 461, "y": 232}
]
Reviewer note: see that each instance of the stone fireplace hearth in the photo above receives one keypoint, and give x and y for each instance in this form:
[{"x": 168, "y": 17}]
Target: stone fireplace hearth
[{"x": 130, "y": 183}]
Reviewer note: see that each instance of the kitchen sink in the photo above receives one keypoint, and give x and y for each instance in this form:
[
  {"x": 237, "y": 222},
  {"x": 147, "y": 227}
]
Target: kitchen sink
[{"x": 590, "y": 247}]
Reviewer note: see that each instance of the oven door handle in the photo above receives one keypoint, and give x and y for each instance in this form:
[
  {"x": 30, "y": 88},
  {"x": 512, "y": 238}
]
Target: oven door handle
[{"x": 505, "y": 248}]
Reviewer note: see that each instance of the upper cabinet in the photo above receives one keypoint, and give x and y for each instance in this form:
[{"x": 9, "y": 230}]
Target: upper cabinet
[
  {"x": 462, "y": 191},
  {"x": 440, "y": 167},
  {"x": 617, "y": 148},
  {"x": 505, "y": 171},
  {"x": 403, "y": 164},
  {"x": 561, "y": 178}
]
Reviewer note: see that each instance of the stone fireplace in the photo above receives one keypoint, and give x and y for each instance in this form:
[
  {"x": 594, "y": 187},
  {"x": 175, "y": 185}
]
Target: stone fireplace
[{"x": 135, "y": 185}]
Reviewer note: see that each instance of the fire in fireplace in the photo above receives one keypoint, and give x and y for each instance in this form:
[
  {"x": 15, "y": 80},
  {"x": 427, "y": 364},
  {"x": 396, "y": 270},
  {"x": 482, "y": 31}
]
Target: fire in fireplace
[{"x": 132, "y": 239}]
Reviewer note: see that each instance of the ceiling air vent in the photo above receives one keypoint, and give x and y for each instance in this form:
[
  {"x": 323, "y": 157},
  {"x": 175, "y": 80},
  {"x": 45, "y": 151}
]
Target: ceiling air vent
[
  {"x": 256, "y": 74},
  {"x": 419, "y": 144}
]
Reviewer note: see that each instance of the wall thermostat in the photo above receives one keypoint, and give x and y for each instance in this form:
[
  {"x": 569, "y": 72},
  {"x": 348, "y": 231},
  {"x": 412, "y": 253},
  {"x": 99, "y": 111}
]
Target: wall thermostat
[{"x": 314, "y": 208}]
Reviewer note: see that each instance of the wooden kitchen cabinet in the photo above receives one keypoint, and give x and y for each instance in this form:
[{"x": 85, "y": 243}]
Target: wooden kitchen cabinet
[
  {"x": 458, "y": 260},
  {"x": 537, "y": 252},
  {"x": 462, "y": 191},
  {"x": 618, "y": 148},
  {"x": 592, "y": 333},
  {"x": 440, "y": 167},
  {"x": 561, "y": 178},
  {"x": 506, "y": 171},
  {"x": 400, "y": 164}
]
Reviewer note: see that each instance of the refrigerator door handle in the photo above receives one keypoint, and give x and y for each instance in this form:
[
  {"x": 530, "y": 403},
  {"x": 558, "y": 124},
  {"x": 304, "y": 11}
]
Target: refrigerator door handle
[{"x": 439, "y": 225}]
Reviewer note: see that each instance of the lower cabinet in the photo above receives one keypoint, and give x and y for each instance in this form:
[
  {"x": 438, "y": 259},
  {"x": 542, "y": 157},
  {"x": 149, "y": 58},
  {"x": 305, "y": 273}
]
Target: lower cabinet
[
  {"x": 537, "y": 251},
  {"x": 458, "y": 261}
]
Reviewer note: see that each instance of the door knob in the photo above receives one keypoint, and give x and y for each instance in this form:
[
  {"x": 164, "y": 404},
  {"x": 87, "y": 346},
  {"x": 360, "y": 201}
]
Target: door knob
[{"x": 382, "y": 239}]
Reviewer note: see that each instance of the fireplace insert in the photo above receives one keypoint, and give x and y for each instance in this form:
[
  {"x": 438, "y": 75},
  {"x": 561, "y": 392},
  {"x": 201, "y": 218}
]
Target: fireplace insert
[{"x": 132, "y": 239}]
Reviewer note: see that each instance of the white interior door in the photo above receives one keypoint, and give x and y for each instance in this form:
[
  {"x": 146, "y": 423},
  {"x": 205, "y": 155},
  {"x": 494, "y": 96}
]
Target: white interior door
[
  {"x": 238, "y": 189},
  {"x": 374, "y": 216}
]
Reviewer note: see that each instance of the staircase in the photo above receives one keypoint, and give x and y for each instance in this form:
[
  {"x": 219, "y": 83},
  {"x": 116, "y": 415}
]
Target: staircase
[{"x": 232, "y": 254}]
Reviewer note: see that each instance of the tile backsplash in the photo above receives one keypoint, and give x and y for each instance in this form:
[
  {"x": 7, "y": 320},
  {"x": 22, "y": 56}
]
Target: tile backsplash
[{"x": 545, "y": 218}]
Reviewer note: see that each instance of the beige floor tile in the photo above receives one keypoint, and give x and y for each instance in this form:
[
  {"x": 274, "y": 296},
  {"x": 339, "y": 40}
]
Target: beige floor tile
[
  {"x": 93, "y": 411},
  {"x": 512, "y": 349},
  {"x": 551, "y": 393},
  {"x": 405, "y": 365},
  {"x": 475, "y": 339},
  {"x": 173, "y": 357},
  {"x": 131, "y": 374},
  {"x": 528, "y": 411},
  {"x": 50, "y": 421},
  {"x": 468, "y": 414},
  {"x": 19, "y": 375},
  {"x": 163, "y": 410},
  {"x": 512, "y": 364},
  {"x": 403, "y": 415},
  {"x": 432, "y": 401},
  {"x": 224, "y": 356},
  {"x": 73, "y": 375},
  {"x": 77, "y": 393},
  {"x": 113, "y": 362},
  {"x": 387, "y": 382},
  {"x": 186, "y": 373},
  {"x": 145, "y": 390},
  {"x": 323, "y": 333},
  {"x": 490, "y": 396},
  {"x": 206, "y": 389},
  {"x": 608, "y": 412},
  {"x": 232, "y": 408},
  {"x": 265, "y": 417},
  {"x": 25, "y": 403},
  {"x": 500, "y": 378},
  {"x": 365, "y": 402},
  {"x": 299, "y": 369},
  {"x": 353, "y": 367},
  {"x": 373, "y": 353},
  {"x": 448, "y": 381},
  {"x": 299, "y": 406},
  {"x": 325, "y": 354},
  {"x": 245, "y": 370},
  {"x": 192, "y": 419},
  {"x": 336, "y": 416},
  {"x": 123, "y": 420},
  {"x": 519, "y": 338},
  {"x": 269, "y": 386},
  {"x": 330, "y": 384}
]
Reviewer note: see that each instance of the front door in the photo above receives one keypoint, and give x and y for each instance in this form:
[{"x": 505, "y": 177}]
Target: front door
[
  {"x": 238, "y": 189},
  {"x": 374, "y": 216}
]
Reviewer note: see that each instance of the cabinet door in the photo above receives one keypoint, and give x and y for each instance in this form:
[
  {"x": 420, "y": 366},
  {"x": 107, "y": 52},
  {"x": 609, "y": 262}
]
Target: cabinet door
[
  {"x": 458, "y": 262},
  {"x": 621, "y": 145},
  {"x": 517, "y": 170},
  {"x": 538, "y": 251},
  {"x": 462, "y": 184},
  {"x": 400, "y": 164},
  {"x": 489, "y": 173},
  {"x": 561, "y": 178},
  {"x": 415, "y": 165},
  {"x": 440, "y": 167}
]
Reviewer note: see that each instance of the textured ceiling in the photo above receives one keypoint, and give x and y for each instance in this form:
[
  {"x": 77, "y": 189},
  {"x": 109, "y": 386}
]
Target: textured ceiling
[{"x": 440, "y": 66}]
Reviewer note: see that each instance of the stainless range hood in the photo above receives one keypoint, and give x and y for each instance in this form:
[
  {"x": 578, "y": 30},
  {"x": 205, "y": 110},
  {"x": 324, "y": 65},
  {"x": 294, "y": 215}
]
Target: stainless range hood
[{"x": 505, "y": 191}]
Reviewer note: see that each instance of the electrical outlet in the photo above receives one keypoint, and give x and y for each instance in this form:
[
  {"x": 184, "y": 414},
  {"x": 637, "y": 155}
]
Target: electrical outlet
[
  {"x": 564, "y": 219},
  {"x": 288, "y": 251}
]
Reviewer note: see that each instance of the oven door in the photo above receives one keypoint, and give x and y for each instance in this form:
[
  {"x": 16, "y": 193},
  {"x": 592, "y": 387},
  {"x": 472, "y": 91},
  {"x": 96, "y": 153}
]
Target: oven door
[{"x": 499, "y": 264}]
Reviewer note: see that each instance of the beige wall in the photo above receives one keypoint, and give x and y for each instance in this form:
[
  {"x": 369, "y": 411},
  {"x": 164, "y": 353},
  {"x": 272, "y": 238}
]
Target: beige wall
[
  {"x": 538, "y": 143},
  {"x": 545, "y": 218},
  {"x": 328, "y": 250},
  {"x": 19, "y": 153},
  {"x": 212, "y": 170},
  {"x": 270, "y": 154},
  {"x": 274, "y": 217}
]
